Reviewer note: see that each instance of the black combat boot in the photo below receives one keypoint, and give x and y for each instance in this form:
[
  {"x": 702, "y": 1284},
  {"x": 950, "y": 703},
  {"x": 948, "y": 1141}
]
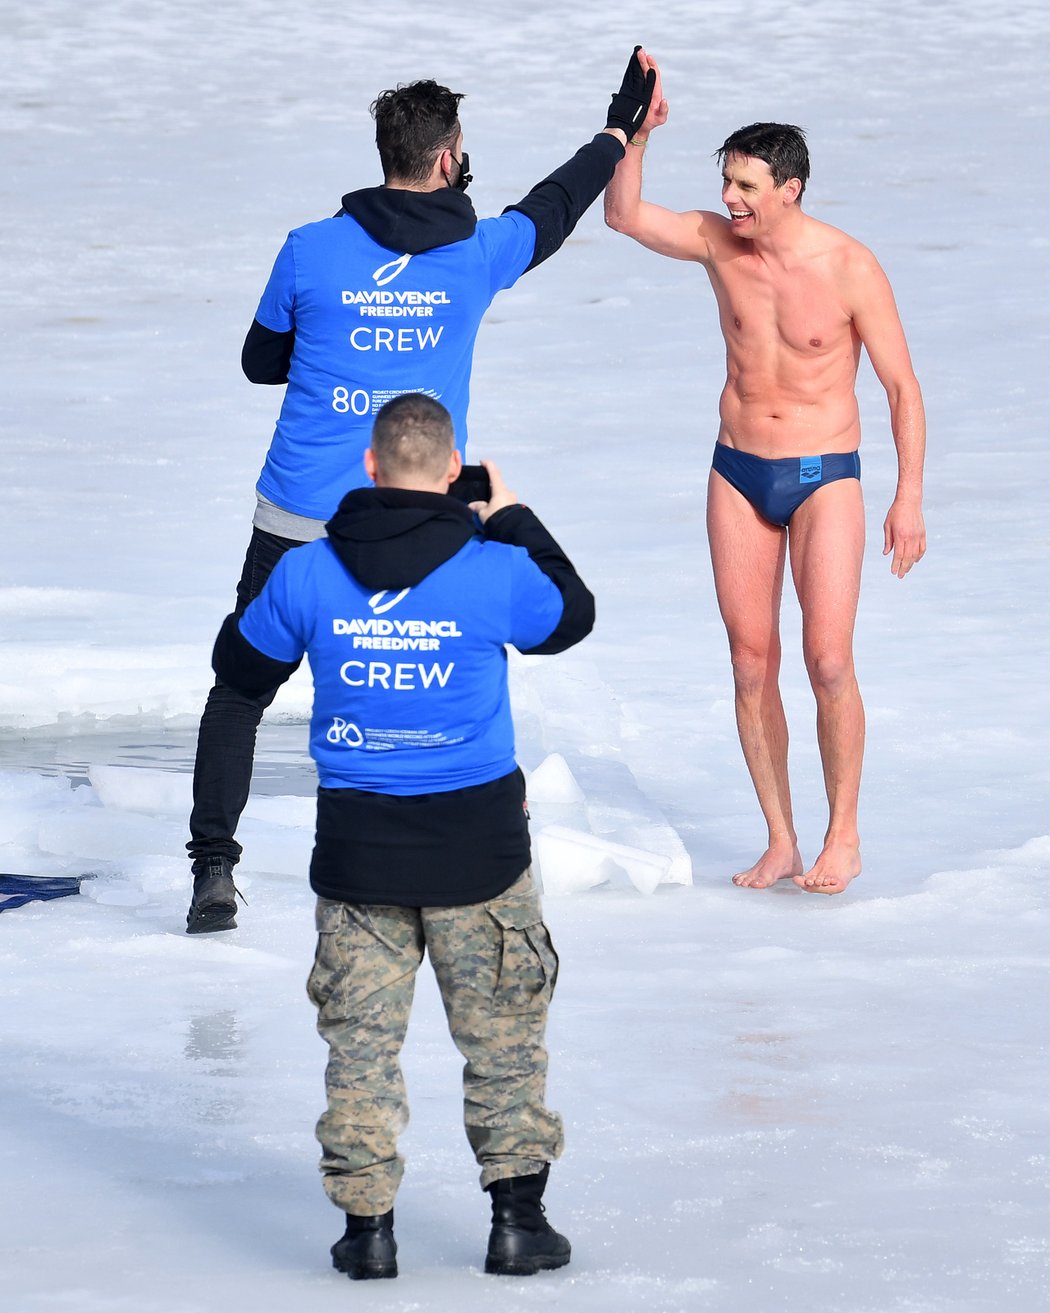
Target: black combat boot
[
  {"x": 522, "y": 1241},
  {"x": 368, "y": 1250},
  {"x": 214, "y": 903}
]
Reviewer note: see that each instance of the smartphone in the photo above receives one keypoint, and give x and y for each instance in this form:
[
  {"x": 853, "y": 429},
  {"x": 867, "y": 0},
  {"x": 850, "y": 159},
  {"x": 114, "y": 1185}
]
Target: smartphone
[{"x": 472, "y": 485}]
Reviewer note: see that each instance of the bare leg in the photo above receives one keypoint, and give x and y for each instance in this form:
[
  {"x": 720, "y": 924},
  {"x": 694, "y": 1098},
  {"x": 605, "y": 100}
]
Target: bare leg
[
  {"x": 827, "y": 547},
  {"x": 748, "y": 556}
]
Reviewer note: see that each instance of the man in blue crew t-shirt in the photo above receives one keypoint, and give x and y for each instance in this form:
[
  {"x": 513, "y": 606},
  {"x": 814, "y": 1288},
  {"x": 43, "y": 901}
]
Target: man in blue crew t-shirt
[
  {"x": 404, "y": 611},
  {"x": 382, "y": 299}
]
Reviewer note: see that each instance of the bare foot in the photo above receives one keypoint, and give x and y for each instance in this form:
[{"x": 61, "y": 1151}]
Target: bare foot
[
  {"x": 780, "y": 861},
  {"x": 836, "y": 866}
]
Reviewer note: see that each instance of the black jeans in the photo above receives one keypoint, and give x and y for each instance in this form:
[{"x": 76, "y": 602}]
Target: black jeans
[{"x": 222, "y": 772}]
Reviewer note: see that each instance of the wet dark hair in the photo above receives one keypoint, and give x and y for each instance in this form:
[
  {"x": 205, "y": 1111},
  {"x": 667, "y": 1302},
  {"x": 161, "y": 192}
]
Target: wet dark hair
[
  {"x": 414, "y": 123},
  {"x": 412, "y": 434},
  {"x": 781, "y": 145}
]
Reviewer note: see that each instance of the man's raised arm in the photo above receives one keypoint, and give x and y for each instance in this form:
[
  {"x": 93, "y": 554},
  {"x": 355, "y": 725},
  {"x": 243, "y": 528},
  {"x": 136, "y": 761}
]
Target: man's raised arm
[
  {"x": 664, "y": 231},
  {"x": 556, "y": 204}
]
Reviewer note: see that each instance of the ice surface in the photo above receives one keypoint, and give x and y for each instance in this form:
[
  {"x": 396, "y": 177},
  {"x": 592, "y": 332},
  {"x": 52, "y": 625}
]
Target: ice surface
[
  {"x": 773, "y": 1102},
  {"x": 570, "y": 860},
  {"x": 134, "y": 788},
  {"x": 553, "y": 784}
]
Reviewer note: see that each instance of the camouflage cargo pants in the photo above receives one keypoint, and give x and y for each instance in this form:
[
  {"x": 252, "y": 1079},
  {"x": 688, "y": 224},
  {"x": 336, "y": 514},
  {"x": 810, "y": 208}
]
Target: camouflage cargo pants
[{"x": 496, "y": 969}]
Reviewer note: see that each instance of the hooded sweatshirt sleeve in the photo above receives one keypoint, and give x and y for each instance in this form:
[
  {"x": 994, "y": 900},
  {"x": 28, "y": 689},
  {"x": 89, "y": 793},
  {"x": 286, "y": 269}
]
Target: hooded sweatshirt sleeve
[
  {"x": 266, "y": 356},
  {"x": 256, "y": 653},
  {"x": 556, "y": 204},
  {"x": 519, "y": 527},
  {"x": 267, "y": 351}
]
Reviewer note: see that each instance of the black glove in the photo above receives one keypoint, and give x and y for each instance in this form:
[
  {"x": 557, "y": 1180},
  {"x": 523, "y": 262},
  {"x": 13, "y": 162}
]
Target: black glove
[{"x": 629, "y": 106}]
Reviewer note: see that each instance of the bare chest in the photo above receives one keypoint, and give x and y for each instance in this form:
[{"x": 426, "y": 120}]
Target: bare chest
[{"x": 763, "y": 308}]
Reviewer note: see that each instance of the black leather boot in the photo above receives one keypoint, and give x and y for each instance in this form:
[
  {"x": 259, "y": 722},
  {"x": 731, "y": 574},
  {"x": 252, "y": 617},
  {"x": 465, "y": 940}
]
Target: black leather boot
[
  {"x": 522, "y": 1241},
  {"x": 214, "y": 903},
  {"x": 368, "y": 1249}
]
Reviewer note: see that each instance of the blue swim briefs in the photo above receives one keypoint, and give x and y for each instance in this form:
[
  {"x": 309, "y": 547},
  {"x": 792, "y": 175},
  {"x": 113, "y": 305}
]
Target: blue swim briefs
[{"x": 777, "y": 488}]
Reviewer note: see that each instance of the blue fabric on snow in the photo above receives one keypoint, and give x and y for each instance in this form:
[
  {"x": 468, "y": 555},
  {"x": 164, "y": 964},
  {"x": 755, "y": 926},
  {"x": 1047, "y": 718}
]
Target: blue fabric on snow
[{"x": 17, "y": 890}]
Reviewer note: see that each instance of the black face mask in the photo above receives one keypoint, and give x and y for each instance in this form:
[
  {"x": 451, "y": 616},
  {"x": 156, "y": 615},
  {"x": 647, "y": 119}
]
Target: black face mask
[{"x": 465, "y": 176}]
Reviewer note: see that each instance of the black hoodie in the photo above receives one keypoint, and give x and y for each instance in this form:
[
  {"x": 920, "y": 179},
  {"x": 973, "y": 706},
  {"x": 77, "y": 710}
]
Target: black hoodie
[
  {"x": 442, "y": 849},
  {"x": 410, "y": 222}
]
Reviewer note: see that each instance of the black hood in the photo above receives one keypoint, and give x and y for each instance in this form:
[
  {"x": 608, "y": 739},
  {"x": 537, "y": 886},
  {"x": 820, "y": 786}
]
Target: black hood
[
  {"x": 393, "y": 538},
  {"x": 412, "y": 221}
]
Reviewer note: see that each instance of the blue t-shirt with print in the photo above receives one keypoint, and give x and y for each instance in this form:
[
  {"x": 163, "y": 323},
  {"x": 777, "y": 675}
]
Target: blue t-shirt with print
[
  {"x": 369, "y": 325},
  {"x": 410, "y": 687}
]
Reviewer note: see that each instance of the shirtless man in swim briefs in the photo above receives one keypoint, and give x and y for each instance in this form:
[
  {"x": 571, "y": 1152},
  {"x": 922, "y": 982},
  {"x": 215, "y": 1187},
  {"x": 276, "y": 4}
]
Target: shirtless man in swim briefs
[{"x": 797, "y": 299}]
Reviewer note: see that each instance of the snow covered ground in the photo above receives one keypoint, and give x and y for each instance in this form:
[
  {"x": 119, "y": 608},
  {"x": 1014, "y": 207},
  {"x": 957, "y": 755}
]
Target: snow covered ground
[{"x": 773, "y": 1101}]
